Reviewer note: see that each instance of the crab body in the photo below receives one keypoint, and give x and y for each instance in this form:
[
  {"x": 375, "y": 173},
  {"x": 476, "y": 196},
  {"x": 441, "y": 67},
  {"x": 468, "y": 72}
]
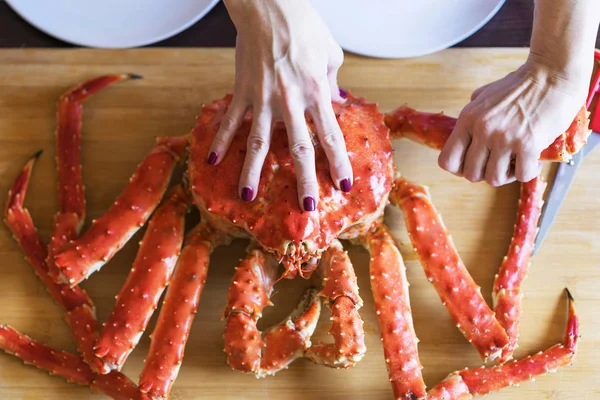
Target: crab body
[{"x": 274, "y": 220}]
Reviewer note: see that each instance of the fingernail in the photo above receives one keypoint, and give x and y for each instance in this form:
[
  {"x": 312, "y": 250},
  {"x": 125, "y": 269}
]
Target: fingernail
[
  {"x": 309, "y": 203},
  {"x": 212, "y": 158},
  {"x": 345, "y": 185},
  {"x": 247, "y": 194},
  {"x": 343, "y": 94}
]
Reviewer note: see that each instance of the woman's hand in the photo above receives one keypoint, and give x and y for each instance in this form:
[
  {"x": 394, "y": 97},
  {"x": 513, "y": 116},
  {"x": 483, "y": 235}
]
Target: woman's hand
[
  {"x": 286, "y": 65},
  {"x": 509, "y": 122},
  {"x": 501, "y": 133}
]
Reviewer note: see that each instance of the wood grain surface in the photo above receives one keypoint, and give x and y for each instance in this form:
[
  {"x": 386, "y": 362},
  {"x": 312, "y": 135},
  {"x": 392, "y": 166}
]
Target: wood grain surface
[{"x": 119, "y": 129}]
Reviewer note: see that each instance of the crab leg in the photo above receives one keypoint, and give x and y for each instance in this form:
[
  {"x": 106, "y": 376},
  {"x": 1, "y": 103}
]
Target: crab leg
[
  {"x": 109, "y": 233},
  {"x": 19, "y": 221},
  {"x": 80, "y": 311},
  {"x": 507, "y": 284},
  {"x": 392, "y": 306},
  {"x": 249, "y": 351},
  {"x": 66, "y": 365},
  {"x": 340, "y": 292},
  {"x": 465, "y": 384},
  {"x": 148, "y": 278},
  {"x": 68, "y": 135},
  {"x": 117, "y": 386},
  {"x": 69, "y": 219},
  {"x": 177, "y": 313},
  {"x": 433, "y": 130},
  {"x": 70, "y": 367},
  {"x": 444, "y": 268},
  {"x": 71, "y": 215}
]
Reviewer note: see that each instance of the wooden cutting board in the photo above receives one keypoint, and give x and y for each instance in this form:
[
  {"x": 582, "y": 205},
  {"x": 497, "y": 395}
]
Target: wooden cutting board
[{"x": 119, "y": 129}]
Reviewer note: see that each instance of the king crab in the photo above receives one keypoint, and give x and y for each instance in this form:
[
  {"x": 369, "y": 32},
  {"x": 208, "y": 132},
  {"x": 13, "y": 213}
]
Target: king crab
[{"x": 280, "y": 232}]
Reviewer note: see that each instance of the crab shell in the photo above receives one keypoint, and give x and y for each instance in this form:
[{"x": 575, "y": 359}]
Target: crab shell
[{"x": 274, "y": 219}]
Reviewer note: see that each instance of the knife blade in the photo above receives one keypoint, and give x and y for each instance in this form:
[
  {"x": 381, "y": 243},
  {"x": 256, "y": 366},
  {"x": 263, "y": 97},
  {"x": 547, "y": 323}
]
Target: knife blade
[{"x": 563, "y": 180}]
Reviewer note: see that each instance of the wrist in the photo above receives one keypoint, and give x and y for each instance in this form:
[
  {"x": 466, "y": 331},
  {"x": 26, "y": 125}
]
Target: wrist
[{"x": 571, "y": 78}]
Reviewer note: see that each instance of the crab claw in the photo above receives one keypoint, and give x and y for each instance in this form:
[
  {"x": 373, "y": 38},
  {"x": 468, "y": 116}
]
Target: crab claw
[
  {"x": 480, "y": 381},
  {"x": 340, "y": 294},
  {"x": 249, "y": 351},
  {"x": 433, "y": 130}
]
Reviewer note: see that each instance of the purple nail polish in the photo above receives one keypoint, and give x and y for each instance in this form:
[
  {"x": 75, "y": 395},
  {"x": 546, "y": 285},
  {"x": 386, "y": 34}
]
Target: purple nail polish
[
  {"x": 343, "y": 94},
  {"x": 247, "y": 194},
  {"x": 345, "y": 185},
  {"x": 212, "y": 158},
  {"x": 309, "y": 203}
]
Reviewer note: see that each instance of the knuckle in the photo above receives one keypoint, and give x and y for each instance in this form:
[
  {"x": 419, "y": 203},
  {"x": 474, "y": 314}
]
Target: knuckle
[
  {"x": 472, "y": 176},
  {"x": 219, "y": 142},
  {"x": 332, "y": 139},
  {"x": 257, "y": 145},
  {"x": 302, "y": 150},
  {"x": 495, "y": 181},
  {"x": 467, "y": 113},
  {"x": 483, "y": 126},
  {"x": 309, "y": 183},
  {"x": 228, "y": 123}
]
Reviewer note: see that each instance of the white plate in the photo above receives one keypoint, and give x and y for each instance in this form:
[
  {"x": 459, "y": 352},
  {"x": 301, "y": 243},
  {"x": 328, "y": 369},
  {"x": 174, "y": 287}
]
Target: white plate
[
  {"x": 403, "y": 28},
  {"x": 112, "y": 23}
]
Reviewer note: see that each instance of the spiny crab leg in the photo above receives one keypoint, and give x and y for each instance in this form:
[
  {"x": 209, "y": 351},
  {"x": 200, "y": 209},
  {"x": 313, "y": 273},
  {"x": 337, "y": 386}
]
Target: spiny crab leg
[
  {"x": 340, "y": 294},
  {"x": 465, "y": 384},
  {"x": 109, "y": 233},
  {"x": 446, "y": 271},
  {"x": 507, "y": 284},
  {"x": 146, "y": 281},
  {"x": 249, "y": 351},
  {"x": 80, "y": 311},
  {"x": 70, "y": 217},
  {"x": 66, "y": 365},
  {"x": 117, "y": 386},
  {"x": 68, "y": 135},
  {"x": 70, "y": 367},
  {"x": 177, "y": 313},
  {"x": 392, "y": 306},
  {"x": 19, "y": 221},
  {"x": 433, "y": 130}
]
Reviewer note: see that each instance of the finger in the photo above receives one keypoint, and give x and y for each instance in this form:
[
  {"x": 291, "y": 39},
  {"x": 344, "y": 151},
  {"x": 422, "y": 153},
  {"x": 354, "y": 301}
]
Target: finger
[
  {"x": 336, "y": 59},
  {"x": 527, "y": 167},
  {"x": 333, "y": 143},
  {"x": 498, "y": 168},
  {"x": 230, "y": 122},
  {"x": 476, "y": 160},
  {"x": 453, "y": 153},
  {"x": 257, "y": 148},
  {"x": 478, "y": 91},
  {"x": 303, "y": 155}
]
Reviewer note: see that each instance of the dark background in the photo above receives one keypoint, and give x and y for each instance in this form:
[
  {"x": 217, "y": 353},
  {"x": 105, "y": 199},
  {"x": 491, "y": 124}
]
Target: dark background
[{"x": 511, "y": 27}]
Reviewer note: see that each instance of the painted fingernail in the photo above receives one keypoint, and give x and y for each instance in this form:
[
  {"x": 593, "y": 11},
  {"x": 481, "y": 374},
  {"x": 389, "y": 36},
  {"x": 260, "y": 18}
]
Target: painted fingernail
[
  {"x": 212, "y": 158},
  {"x": 309, "y": 203},
  {"x": 345, "y": 185},
  {"x": 247, "y": 194},
  {"x": 343, "y": 94}
]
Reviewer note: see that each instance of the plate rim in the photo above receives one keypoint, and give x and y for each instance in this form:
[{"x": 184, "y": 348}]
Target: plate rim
[
  {"x": 140, "y": 43},
  {"x": 429, "y": 50}
]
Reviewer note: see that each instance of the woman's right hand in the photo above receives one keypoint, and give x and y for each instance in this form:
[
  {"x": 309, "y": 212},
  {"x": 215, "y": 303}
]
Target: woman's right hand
[{"x": 286, "y": 65}]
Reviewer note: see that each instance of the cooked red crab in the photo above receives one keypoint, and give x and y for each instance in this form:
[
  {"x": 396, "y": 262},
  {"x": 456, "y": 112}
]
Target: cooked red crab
[{"x": 304, "y": 242}]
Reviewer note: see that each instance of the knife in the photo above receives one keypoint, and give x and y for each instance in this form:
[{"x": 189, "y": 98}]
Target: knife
[{"x": 566, "y": 172}]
